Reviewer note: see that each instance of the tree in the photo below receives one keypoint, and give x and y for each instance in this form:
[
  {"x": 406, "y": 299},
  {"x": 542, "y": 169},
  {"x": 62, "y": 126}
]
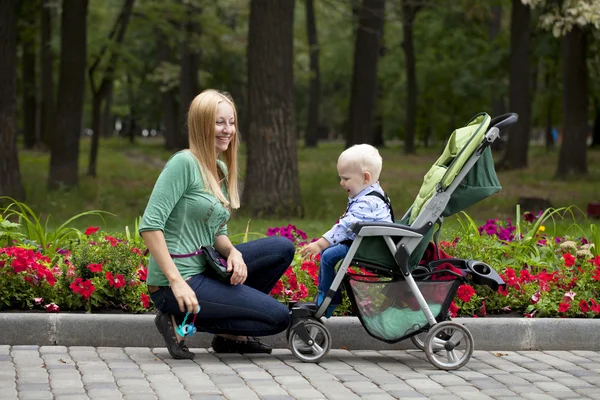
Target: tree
[
  {"x": 188, "y": 81},
  {"x": 572, "y": 20},
  {"x": 312, "y": 128},
  {"x": 409, "y": 13},
  {"x": 101, "y": 92},
  {"x": 28, "y": 12},
  {"x": 272, "y": 184},
  {"x": 364, "y": 76},
  {"x": 10, "y": 177},
  {"x": 47, "y": 102},
  {"x": 515, "y": 156},
  {"x": 64, "y": 155},
  {"x": 572, "y": 159}
]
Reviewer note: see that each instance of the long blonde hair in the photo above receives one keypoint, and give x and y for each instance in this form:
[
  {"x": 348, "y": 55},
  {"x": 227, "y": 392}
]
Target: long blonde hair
[{"x": 201, "y": 120}]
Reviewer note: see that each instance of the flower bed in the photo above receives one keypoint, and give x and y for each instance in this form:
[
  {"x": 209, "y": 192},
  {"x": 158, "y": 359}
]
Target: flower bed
[{"x": 96, "y": 271}]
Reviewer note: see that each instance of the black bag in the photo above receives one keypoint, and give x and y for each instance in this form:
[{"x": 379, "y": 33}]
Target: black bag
[{"x": 216, "y": 264}]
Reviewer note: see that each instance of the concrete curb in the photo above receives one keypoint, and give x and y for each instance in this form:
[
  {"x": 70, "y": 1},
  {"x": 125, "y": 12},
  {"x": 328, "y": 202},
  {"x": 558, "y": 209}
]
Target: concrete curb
[{"x": 138, "y": 330}]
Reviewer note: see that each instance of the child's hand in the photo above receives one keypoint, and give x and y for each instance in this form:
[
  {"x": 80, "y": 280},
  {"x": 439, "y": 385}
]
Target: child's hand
[
  {"x": 311, "y": 249},
  {"x": 314, "y": 248}
]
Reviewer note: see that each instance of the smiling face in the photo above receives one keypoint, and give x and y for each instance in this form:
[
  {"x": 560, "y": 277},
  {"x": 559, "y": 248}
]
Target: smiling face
[
  {"x": 352, "y": 179},
  {"x": 225, "y": 128}
]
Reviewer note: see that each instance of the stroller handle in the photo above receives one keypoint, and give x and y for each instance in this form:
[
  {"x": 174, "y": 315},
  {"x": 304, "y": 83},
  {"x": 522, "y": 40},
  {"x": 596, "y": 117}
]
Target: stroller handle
[{"x": 504, "y": 121}]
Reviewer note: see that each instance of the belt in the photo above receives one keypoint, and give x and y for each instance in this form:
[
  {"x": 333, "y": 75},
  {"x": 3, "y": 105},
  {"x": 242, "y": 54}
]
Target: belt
[{"x": 154, "y": 289}]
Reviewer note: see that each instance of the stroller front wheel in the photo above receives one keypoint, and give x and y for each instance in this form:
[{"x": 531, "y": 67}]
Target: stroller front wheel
[
  {"x": 449, "y": 345},
  {"x": 319, "y": 340}
]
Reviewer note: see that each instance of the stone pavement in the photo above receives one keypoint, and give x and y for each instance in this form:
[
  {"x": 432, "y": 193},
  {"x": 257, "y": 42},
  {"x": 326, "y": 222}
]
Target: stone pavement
[{"x": 58, "y": 372}]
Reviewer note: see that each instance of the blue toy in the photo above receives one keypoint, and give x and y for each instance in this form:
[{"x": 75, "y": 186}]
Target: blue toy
[{"x": 187, "y": 329}]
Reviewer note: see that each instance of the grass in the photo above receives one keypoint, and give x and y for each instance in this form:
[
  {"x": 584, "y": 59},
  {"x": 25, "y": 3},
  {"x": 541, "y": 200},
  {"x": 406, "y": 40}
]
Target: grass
[{"x": 126, "y": 176}]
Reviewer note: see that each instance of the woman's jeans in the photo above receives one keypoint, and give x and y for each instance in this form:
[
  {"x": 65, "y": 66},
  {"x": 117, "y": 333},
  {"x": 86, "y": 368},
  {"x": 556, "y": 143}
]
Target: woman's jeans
[
  {"x": 246, "y": 309},
  {"x": 329, "y": 259}
]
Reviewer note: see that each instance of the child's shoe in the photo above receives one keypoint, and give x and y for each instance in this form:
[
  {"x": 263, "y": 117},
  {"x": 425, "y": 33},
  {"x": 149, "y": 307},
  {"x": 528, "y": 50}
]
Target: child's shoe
[{"x": 330, "y": 309}]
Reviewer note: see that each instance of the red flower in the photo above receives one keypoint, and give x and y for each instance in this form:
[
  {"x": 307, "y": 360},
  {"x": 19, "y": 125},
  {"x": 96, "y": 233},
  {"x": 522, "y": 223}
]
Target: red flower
[
  {"x": 38, "y": 301},
  {"x": 91, "y": 229},
  {"x": 136, "y": 251},
  {"x": 465, "y": 292},
  {"x": 595, "y": 306},
  {"x": 569, "y": 259},
  {"x": 564, "y": 307},
  {"x": 113, "y": 241},
  {"x": 483, "y": 309},
  {"x": 503, "y": 290},
  {"x": 583, "y": 305},
  {"x": 142, "y": 273},
  {"x": 310, "y": 267},
  {"x": 145, "y": 300},
  {"x": 535, "y": 297},
  {"x": 83, "y": 288},
  {"x": 596, "y": 275},
  {"x": 595, "y": 261},
  {"x": 95, "y": 267},
  {"x": 117, "y": 281},
  {"x": 277, "y": 289},
  {"x": 52, "y": 308},
  {"x": 453, "y": 309}
]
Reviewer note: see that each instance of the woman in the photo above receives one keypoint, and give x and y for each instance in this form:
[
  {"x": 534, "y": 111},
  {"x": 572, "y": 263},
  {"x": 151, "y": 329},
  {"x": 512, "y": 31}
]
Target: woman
[{"x": 189, "y": 208}]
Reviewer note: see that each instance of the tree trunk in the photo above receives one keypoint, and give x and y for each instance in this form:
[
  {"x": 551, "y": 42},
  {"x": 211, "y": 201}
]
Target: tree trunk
[
  {"x": 272, "y": 183},
  {"x": 312, "y": 128},
  {"x": 106, "y": 125},
  {"x": 188, "y": 82},
  {"x": 27, "y": 39},
  {"x": 64, "y": 156},
  {"x": 29, "y": 92},
  {"x": 596, "y": 132},
  {"x": 378, "y": 140},
  {"x": 409, "y": 12},
  {"x": 132, "y": 109},
  {"x": 572, "y": 159},
  {"x": 548, "y": 136},
  {"x": 10, "y": 177},
  {"x": 47, "y": 107},
  {"x": 364, "y": 76},
  {"x": 517, "y": 147},
  {"x": 498, "y": 107},
  {"x": 169, "y": 97},
  {"x": 100, "y": 93}
]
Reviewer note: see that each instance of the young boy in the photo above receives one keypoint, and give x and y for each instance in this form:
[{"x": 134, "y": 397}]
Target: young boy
[{"x": 359, "y": 168}]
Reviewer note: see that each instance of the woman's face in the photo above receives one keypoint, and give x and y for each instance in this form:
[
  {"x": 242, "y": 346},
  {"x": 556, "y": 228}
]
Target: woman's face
[{"x": 224, "y": 126}]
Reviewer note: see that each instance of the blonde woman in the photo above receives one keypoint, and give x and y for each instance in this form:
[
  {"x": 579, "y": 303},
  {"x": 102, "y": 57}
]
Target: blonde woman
[{"x": 189, "y": 208}]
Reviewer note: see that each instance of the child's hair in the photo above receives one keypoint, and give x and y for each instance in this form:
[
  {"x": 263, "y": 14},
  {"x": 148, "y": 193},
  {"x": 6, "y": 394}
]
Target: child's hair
[{"x": 365, "y": 157}]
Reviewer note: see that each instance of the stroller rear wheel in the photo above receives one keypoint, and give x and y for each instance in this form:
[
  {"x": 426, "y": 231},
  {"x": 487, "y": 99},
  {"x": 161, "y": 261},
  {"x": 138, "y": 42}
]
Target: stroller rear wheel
[
  {"x": 319, "y": 344},
  {"x": 448, "y": 345},
  {"x": 419, "y": 340}
]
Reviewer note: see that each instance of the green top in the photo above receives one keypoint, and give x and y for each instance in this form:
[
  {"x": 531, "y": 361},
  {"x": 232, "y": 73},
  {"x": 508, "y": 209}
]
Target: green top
[{"x": 188, "y": 215}]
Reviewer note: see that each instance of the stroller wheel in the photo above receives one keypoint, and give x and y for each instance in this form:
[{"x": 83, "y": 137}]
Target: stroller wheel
[
  {"x": 320, "y": 336},
  {"x": 449, "y": 345},
  {"x": 419, "y": 340}
]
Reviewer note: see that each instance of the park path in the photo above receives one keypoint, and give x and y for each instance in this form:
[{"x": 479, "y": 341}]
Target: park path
[{"x": 57, "y": 372}]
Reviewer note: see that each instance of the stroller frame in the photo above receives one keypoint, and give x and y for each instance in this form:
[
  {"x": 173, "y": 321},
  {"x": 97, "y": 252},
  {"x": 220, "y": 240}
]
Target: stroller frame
[{"x": 308, "y": 337}]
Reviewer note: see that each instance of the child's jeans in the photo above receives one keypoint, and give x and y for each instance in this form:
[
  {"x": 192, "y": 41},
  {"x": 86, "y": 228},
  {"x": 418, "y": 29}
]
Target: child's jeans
[{"x": 329, "y": 259}]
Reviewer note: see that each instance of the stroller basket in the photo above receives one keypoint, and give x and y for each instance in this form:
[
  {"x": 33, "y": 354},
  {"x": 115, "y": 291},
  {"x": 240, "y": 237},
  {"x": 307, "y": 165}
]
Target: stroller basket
[{"x": 388, "y": 309}]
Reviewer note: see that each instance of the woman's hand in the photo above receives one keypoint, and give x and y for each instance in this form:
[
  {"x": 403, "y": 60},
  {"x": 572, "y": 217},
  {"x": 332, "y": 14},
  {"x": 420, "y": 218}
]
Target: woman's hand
[
  {"x": 185, "y": 296},
  {"x": 235, "y": 263}
]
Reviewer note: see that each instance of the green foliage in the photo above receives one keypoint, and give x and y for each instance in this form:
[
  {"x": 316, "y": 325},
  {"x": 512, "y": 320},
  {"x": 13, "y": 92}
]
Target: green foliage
[
  {"x": 547, "y": 276},
  {"x": 44, "y": 233},
  {"x": 99, "y": 272}
]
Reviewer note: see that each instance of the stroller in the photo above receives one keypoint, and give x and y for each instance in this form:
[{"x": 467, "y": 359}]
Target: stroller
[{"x": 393, "y": 296}]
